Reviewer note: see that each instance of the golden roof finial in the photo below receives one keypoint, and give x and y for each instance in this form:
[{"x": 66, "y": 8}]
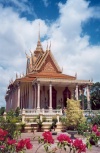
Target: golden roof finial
[
  {"x": 39, "y": 33},
  {"x": 50, "y": 46},
  {"x": 16, "y": 76},
  {"x": 76, "y": 75},
  {"x": 47, "y": 46},
  {"x": 30, "y": 51},
  {"x": 27, "y": 56}
]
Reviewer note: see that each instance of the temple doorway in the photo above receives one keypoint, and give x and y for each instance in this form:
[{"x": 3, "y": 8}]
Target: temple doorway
[{"x": 66, "y": 94}]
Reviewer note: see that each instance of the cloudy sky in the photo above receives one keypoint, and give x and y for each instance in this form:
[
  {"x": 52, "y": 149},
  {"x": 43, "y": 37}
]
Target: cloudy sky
[{"x": 72, "y": 26}]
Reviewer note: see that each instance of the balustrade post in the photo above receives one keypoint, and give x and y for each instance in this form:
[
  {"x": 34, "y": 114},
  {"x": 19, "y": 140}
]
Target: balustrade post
[
  {"x": 23, "y": 115},
  {"x": 41, "y": 117},
  {"x": 4, "y": 115},
  {"x": 57, "y": 118}
]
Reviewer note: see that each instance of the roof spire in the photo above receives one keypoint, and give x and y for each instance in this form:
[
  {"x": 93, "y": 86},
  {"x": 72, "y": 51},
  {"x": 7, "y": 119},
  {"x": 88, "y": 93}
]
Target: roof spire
[
  {"x": 50, "y": 46},
  {"x": 39, "y": 33},
  {"x": 47, "y": 46},
  {"x": 76, "y": 75}
]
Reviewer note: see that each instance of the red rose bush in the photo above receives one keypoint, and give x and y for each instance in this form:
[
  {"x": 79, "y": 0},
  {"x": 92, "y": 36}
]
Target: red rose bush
[
  {"x": 8, "y": 145},
  {"x": 63, "y": 142}
]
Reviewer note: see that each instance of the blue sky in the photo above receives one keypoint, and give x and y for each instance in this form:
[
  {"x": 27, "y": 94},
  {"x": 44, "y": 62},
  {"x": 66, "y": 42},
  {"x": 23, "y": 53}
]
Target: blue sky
[{"x": 72, "y": 26}]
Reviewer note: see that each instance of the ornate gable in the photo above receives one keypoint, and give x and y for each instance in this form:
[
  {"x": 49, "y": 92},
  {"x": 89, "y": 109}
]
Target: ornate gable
[{"x": 48, "y": 66}]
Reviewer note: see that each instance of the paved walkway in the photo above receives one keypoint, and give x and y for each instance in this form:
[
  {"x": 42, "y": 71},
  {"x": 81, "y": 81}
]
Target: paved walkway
[{"x": 41, "y": 150}]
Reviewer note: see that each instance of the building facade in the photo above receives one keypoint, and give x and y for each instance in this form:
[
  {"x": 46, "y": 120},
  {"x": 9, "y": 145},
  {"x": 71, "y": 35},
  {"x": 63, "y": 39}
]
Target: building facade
[{"x": 44, "y": 85}]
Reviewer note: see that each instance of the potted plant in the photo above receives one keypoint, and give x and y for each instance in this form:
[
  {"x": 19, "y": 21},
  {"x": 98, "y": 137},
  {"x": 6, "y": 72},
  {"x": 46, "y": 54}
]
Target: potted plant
[
  {"x": 22, "y": 127},
  {"x": 39, "y": 124}
]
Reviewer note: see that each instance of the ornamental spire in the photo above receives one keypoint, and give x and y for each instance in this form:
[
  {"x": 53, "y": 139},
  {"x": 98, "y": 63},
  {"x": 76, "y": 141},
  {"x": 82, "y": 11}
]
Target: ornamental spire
[
  {"x": 39, "y": 49},
  {"x": 39, "y": 33},
  {"x": 50, "y": 46}
]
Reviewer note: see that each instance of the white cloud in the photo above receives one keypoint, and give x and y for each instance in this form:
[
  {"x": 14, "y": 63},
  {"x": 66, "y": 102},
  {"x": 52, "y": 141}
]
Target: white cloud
[
  {"x": 46, "y": 3},
  {"x": 19, "y": 5},
  {"x": 18, "y": 35}
]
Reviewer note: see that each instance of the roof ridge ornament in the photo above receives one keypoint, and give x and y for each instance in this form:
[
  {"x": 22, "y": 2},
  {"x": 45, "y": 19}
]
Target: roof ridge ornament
[
  {"x": 50, "y": 46},
  {"x": 47, "y": 46},
  {"x": 76, "y": 75},
  {"x": 39, "y": 33},
  {"x": 16, "y": 76}
]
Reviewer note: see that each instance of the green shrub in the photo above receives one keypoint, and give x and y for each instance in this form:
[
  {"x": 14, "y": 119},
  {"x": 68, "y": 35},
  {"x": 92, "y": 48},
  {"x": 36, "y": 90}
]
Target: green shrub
[
  {"x": 83, "y": 127},
  {"x": 74, "y": 114}
]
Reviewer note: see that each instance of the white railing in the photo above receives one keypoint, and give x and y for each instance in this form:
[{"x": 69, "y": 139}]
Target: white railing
[
  {"x": 55, "y": 111},
  {"x": 41, "y": 111},
  {"x": 50, "y": 113}
]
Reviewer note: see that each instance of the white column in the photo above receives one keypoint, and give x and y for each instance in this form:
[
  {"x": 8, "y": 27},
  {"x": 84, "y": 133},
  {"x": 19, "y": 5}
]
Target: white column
[
  {"x": 72, "y": 93},
  {"x": 88, "y": 97},
  {"x": 18, "y": 102},
  {"x": 83, "y": 98},
  {"x": 38, "y": 96},
  {"x": 35, "y": 96},
  {"x": 50, "y": 96},
  {"x": 76, "y": 93},
  {"x": 30, "y": 96}
]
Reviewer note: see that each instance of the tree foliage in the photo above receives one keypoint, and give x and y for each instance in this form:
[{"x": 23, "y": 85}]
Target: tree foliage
[
  {"x": 74, "y": 114},
  {"x": 95, "y": 96},
  {"x": 2, "y": 110}
]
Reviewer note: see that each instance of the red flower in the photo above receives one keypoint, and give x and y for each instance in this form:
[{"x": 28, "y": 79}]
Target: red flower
[
  {"x": 64, "y": 137},
  {"x": 48, "y": 137},
  {"x": 20, "y": 145},
  {"x": 2, "y": 146},
  {"x": 98, "y": 134},
  {"x": 28, "y": 144},
  {"x": 3, "y": 134},
  {"x": 11, "y": 141},
  {"x": 95, "y": 128},
  {"x": 79, "y": 145}
]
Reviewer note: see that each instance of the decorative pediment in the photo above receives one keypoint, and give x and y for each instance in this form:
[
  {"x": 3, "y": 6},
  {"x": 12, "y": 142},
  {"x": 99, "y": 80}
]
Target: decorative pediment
[{"x": 48, "y": 67}]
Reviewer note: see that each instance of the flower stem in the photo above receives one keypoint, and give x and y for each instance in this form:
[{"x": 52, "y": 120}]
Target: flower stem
[{"x": 38, "y": 148}]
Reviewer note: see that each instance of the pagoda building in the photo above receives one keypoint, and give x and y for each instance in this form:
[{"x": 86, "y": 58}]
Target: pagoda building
[{"x": 44, "y": 85}]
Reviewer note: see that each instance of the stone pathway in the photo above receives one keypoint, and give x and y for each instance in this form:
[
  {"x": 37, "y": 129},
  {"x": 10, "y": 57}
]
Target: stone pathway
[{"x": 41, "y": 150}]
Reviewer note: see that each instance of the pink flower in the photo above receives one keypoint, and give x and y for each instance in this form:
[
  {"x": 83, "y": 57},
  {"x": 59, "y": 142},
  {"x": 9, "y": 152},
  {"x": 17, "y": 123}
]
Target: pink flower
[
  {"x": 79, "y": 145},
  {"x": 2, "y": 146},
  {"x": 28, "y": 144},
  {"x": 20, "y": 145},
  {"x": 11, "y": 141},
  {"x": 3, "y": 134},
  {"x": 95, "y": 128},
  {"x": 48, "y": 137},
  {"x": 98, "y": 134},
  {"x": 64, "y": 137}
]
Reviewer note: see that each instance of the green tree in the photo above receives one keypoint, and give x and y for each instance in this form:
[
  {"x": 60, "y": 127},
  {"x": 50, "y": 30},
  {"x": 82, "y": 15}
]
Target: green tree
[
  {"x": 2, "y": 110},
  {"x": 74, "y": 114},
  {"x": 95, "y": 96}
]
